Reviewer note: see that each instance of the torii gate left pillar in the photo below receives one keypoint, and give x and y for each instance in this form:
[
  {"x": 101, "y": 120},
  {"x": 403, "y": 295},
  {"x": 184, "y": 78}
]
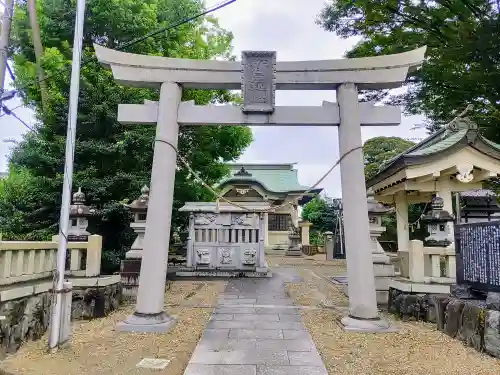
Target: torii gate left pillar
[{"x": 261, "y": 76}]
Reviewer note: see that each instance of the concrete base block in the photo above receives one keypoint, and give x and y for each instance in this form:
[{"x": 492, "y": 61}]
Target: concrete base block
[
  {"x": 367, "y": 326},
  {"x": 158, "y": 323},
  {"x": 382, "y": 297},
  {"x": 383, "y": 270},
  {"x": 294, "y": 253}
]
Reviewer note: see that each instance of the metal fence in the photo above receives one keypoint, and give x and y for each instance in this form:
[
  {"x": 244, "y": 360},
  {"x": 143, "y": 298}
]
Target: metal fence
[{"x": 478, "y": 255}]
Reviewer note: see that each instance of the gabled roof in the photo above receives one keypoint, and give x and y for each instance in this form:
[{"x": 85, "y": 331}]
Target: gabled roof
[
  {"x": 275, "y": 178},
  {"x": 458, "y": 134}
]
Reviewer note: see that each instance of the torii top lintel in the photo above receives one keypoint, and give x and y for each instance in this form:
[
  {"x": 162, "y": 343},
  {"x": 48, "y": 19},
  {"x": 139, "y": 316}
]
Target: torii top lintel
[{"x": 378, "y": 72}]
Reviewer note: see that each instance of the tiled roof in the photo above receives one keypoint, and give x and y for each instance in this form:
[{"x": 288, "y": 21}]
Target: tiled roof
[
  {"x": 277, "y": 178},
  {"x": 458, "y": 133}
]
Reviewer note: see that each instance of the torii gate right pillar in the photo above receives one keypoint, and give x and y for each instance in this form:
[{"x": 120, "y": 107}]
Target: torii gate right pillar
[{"x": 363, "y": 314}]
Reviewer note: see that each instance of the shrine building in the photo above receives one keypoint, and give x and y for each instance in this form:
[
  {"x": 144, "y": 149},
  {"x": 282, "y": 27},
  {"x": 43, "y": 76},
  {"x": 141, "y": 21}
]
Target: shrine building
[{"x": 273, "y": 183}]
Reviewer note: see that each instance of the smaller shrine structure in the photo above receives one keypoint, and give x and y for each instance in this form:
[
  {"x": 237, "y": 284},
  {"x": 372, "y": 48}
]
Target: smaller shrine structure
[
  {"x": 455, "y": 159},
  {"x": 479, "y": 206},
  {"x": 275, "y": 184},
  {"x": 225, "y": 240}
]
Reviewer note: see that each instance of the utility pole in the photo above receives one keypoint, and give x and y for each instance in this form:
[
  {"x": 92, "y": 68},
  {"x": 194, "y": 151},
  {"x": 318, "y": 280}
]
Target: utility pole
[
  {"x": 4, "y": 42},
  {"x": 56, "y": 318},
  {"x": 37, "y": 45}
]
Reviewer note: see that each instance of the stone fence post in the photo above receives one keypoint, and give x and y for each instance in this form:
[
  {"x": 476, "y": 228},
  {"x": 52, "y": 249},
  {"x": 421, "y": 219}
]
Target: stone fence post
[
  {"x": 416, "y": 261},
  {"x": 94, "y": 251},
  {"x": 304, "y": 227}
]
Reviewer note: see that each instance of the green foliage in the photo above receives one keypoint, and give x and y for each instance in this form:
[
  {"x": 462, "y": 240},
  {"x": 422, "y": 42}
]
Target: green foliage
[
  {"x": 461, "y": 65},
  {"x": 322, "y": 213},
  {"x": 379, "y": 150},
  {"x": 112, "y": 161}
]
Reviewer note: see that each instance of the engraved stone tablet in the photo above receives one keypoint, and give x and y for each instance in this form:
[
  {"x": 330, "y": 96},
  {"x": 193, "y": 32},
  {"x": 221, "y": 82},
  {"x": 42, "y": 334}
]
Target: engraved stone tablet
[{"x": 258, "y": 81}]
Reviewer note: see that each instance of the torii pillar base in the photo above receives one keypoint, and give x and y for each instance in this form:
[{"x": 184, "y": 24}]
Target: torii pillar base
[
  {"x": 367, "y": 325},
  {"x": 158, "y": 323}
]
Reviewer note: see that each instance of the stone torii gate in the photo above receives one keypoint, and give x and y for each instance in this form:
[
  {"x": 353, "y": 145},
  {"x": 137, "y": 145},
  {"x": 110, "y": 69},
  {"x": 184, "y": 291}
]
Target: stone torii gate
[{"x": 258, "y": 76}]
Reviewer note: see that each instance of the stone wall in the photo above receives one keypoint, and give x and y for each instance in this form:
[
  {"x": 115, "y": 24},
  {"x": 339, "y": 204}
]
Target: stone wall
[
  {"x": 474, "y": 322},
  {"x": 28, "y": 318}
]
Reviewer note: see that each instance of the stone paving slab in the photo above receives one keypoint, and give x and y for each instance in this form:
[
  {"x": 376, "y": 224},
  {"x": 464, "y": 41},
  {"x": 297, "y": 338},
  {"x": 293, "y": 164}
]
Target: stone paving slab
[{"x": 256, "y": 330}]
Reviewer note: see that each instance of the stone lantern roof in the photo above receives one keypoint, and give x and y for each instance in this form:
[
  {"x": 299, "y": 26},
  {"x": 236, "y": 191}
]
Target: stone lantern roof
[
  {"x": 375, "y": 208},
  {"x": 141, "y": 203},
  {"x": 437, "y": 214},
  {"x": 79, "y": 208}
]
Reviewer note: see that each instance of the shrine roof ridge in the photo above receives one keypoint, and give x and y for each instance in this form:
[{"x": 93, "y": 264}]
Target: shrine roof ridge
[
  {"x": 383, "y": 71},
  {"x": 224, "y": 207},
  {"x": 251, "y": 166},
  {"x": 283, "y": 179}
]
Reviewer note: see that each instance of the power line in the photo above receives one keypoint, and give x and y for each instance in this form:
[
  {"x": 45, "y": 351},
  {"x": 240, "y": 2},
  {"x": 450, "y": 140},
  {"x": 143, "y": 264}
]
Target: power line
[
  {"x": 8, "y": 111},
  {"x": 140, "y": 39},
  {"x": 125, "y": 45}
]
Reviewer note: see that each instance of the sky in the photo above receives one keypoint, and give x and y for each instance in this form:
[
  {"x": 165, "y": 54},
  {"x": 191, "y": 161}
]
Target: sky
[{"x": 287, "y": 27}]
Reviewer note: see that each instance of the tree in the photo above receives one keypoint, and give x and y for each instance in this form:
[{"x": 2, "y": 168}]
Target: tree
[
  {"x": 462, "y": 59},
  {"x": 323, "y": 213},
  {"x": 380, "y": 150},
  {"x": 112, "y": 161}
]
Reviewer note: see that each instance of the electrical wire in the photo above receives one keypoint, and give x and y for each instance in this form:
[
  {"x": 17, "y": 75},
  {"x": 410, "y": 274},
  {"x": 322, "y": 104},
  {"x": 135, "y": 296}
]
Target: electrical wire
[
  {"x": 235, "y": 204},
  {"x": 137, "y": 40}
]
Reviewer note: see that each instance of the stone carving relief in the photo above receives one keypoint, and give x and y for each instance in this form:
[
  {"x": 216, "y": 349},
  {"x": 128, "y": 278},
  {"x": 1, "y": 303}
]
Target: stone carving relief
[
  {"x": 204, "y": 257},
  {"x": 226, "y": 256},
  {"x": 249, "y": 257},
  {"x": 244, "y": 219},
  {"x": 204, "y": 219}
]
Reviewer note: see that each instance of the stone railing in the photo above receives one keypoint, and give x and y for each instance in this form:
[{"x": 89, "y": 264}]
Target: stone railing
[
  {"x": 22, "y": 261},
  {"x": 428, "y": 264}
]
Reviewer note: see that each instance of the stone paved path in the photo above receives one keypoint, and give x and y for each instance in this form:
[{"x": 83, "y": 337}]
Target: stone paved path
[{"x": 256, "y": 330}]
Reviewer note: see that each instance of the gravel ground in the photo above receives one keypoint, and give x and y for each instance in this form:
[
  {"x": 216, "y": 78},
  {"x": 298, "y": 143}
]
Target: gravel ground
[
  {"x": 417, "y": 349},
  {"x": 312, "y": 261},
  {"x": 98, "y": 350}
]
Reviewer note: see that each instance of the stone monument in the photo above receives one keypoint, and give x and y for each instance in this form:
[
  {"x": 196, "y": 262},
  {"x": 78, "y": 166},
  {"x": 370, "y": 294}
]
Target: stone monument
[{"x": 258, "y": 76}]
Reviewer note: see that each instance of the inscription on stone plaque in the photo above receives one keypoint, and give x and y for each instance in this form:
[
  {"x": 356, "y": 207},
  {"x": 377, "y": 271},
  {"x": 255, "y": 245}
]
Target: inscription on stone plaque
[
  {"x": 478, "y": 255},
  {"x": 258, "y": 83}
]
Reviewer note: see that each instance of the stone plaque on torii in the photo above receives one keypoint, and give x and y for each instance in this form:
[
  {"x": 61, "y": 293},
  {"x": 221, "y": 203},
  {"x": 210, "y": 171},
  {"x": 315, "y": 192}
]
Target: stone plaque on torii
[{"x": 258, "y": 75}]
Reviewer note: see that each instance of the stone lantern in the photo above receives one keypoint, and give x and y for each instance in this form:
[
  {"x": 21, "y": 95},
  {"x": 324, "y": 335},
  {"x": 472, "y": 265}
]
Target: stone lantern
[
  {"x": 131, "y": 265},
  {"x": 375, "y": 213},
  {"x": 383, "y": 268},
  {"x": 139, "y": 207},
  {"x": 438, "y": 223},
  {"x": 79, "y": 213}
]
